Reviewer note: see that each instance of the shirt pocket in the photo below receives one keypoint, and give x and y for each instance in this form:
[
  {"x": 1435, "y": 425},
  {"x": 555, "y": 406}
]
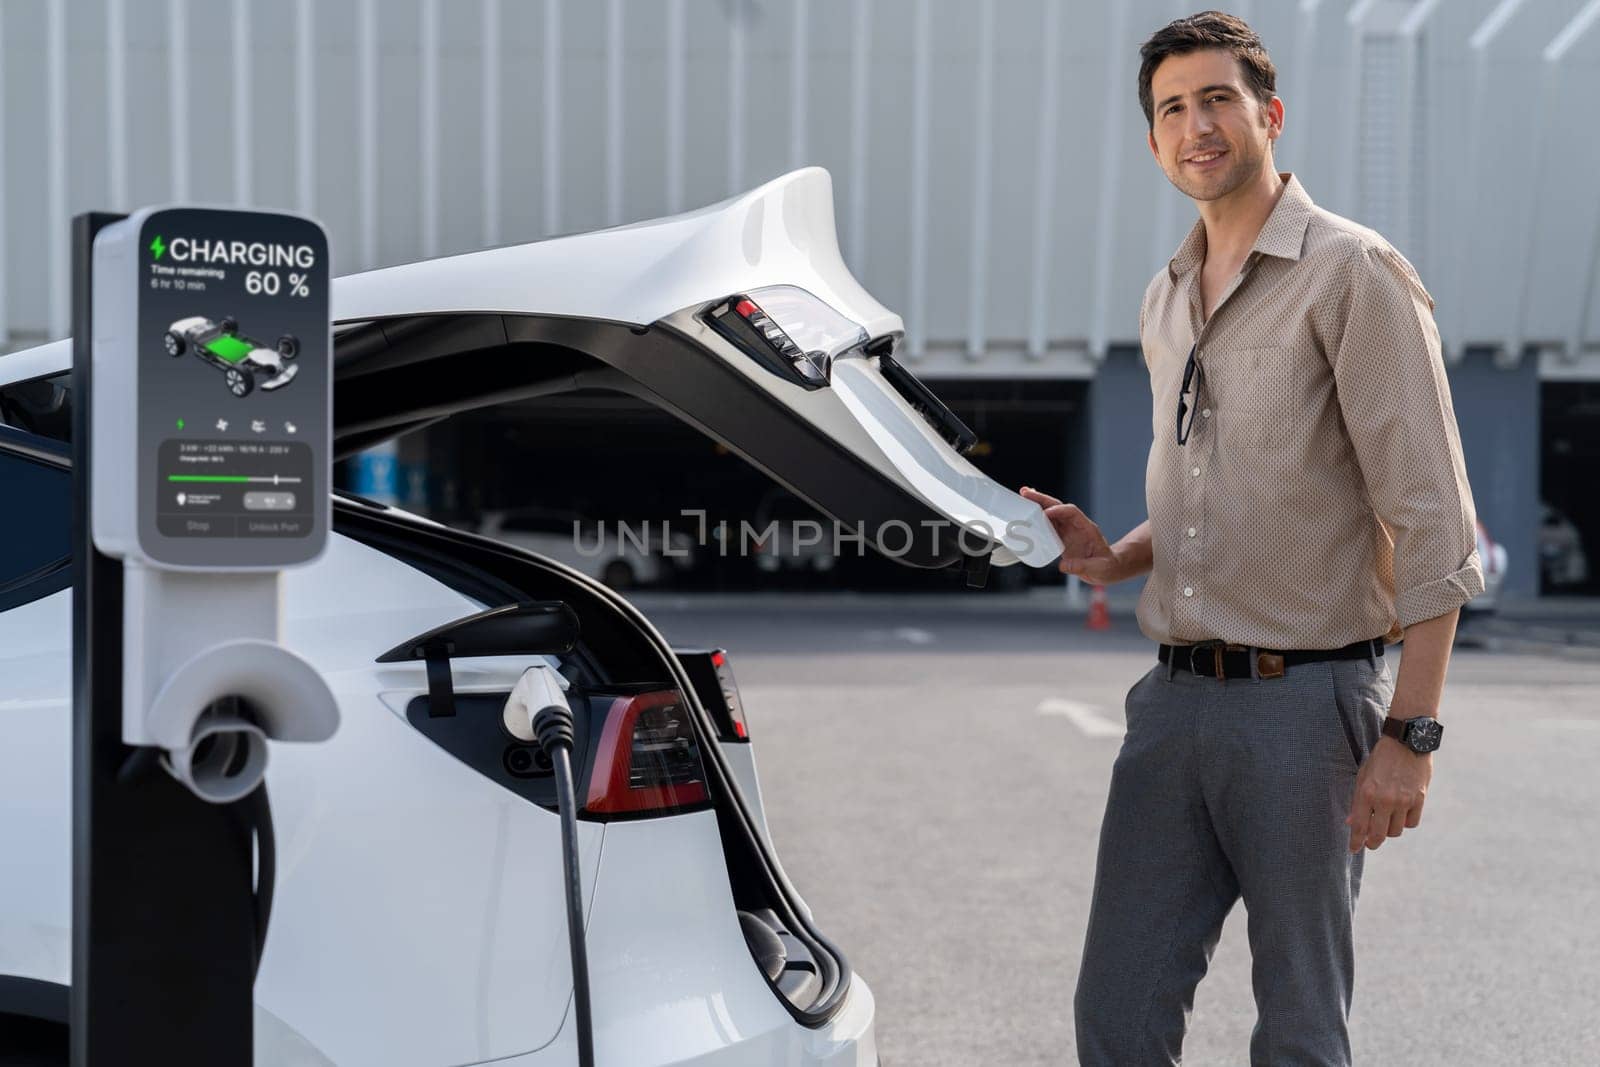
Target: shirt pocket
[{"x": 1253, "y": 395}]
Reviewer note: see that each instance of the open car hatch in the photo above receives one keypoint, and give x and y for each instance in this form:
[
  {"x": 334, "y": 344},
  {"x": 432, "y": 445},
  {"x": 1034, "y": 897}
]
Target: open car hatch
[{"x": 740, "y": 318}]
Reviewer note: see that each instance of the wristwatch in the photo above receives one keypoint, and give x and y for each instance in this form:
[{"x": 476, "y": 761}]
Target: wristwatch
[{"x": 1421, "y": 734}]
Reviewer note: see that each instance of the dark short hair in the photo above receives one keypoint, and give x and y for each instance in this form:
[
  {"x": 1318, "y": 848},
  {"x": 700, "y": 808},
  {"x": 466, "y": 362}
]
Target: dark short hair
[{"x": 1208, "y": 29}]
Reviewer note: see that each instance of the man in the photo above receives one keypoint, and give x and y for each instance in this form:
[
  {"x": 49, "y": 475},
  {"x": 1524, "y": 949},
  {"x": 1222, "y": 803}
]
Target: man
[{"x": 1307, "y": 501}]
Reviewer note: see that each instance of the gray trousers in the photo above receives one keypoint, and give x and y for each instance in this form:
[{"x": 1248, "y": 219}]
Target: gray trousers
[{"x": 1223, "y": 790}]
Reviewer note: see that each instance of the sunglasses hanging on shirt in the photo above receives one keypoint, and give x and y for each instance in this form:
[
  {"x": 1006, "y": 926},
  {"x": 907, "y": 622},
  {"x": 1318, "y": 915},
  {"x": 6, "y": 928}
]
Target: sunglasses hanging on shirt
[{"x": 1185, "y": 412}]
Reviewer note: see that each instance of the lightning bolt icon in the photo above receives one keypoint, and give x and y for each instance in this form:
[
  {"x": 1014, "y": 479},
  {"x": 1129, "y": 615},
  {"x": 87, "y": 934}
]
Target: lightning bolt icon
[{"x": 158, "y": 247}]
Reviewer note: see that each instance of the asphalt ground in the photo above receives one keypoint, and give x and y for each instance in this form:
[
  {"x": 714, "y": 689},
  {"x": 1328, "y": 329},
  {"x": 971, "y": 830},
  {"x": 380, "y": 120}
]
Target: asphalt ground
[{"x": 935, "y": 769}]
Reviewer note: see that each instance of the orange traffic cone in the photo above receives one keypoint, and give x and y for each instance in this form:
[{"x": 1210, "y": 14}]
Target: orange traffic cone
[{"x": 1099, "y": 614}]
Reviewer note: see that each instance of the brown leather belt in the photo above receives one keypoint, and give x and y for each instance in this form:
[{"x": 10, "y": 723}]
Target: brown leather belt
[{"x": 1217, "y": 659}]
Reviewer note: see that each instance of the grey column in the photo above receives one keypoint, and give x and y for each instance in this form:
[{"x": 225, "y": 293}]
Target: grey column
[
  {"x": 1118, "y": 446},
  {"x": 1498, "y": 412}
]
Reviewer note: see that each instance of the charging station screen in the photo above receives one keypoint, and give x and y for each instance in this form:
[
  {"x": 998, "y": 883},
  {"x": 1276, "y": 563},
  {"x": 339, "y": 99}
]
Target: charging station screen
[{"x": 233, "y": 352}]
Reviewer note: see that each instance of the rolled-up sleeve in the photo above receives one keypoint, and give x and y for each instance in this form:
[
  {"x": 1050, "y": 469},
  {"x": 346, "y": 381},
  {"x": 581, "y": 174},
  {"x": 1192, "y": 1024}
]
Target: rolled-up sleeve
[{"x": 1395, "y": 401}]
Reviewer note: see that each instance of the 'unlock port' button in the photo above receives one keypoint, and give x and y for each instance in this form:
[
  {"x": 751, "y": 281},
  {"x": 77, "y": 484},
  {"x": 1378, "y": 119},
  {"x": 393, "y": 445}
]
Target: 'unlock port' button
[{"x": 269, "y": 501}]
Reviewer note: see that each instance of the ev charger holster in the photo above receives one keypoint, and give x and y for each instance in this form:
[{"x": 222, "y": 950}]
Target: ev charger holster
[{"x": 212, "y": 439}]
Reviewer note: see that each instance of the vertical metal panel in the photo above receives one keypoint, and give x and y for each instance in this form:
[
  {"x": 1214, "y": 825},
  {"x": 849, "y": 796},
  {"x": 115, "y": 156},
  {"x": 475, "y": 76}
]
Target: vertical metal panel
[
  {"x": 1552, "y": 56},
  {"x": 490, "y": 104},
  {"x": 178, "y": 96},
  {"x": 1164, "y": 235},
  {"x": 1348, "y": 160},
  {"x": 428, "y": 105},
  {"x": 1299, "y": 109},
  {"x": 57, "y": 224},
  {"x": 1543, "y": 115},
  {"x": 305, "y": 111},
  {"x": 1413, "y": 159},
  {"x": 1406, "y": 134},
  {"x": 614, "y": 119},
  {"x": 1572, "y": 32},
  {"x": 1491, "y": 26},
  {"x": 1044, "y": 189},
  {"x": 244, "y": 192},
  {"x": 1580, "y": 325},
  {"x": 1472, "y": 182},
  {"x": 1110, "y": 183},
  {"x": 677, "y": 47},
  {"x": 736, "y": 42},
  {"x": 860, "y": 94},
  {"x": 978, "y": 260},
  {"x": 367, "y": 137},
  {"x": 921, "y": 69},
  {"x": 1418, "y": 16},
  {"x": 117, "y": 105},
  {"x": 799, "y": 57},
  {"x": 552, "y": 116}
]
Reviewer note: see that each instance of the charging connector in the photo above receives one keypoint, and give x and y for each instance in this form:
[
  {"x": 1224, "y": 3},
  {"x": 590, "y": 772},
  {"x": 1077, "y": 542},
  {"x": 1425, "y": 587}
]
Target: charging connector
[{"x": 538, "y": 701}]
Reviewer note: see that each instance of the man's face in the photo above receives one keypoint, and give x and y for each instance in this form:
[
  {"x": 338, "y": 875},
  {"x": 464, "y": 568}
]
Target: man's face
[{"x": 1210, "y": 134}]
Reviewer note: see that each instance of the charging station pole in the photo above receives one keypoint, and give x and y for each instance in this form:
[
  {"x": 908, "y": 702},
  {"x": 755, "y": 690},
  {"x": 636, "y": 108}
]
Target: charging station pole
[{"x": 202, "y": 466}]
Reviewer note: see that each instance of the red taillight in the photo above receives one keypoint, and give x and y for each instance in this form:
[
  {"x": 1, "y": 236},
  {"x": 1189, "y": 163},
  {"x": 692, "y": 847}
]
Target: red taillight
[
  {"x": 730, "y": 692},
  {"x": 711, "y": 674},
  {"x": 647, "y": 759},
  {"x": 810, "y": 367}
]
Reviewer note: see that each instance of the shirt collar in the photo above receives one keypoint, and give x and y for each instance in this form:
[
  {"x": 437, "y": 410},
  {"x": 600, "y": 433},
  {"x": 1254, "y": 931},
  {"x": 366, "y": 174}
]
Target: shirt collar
[{"x": 1282, "y": 235}]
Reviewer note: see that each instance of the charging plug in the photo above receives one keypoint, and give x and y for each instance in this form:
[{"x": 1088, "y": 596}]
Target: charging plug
[{"x": 539, "y": 688}]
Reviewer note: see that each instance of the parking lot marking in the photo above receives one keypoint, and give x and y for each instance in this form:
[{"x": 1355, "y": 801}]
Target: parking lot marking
[
  {"x": 1090, "y": 720},
  {"x": 914, "y": 636}
]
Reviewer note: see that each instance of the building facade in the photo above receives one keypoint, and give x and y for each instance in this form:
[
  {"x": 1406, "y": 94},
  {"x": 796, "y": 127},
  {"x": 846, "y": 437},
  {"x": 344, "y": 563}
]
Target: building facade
[{"x": 992, "y": 179}]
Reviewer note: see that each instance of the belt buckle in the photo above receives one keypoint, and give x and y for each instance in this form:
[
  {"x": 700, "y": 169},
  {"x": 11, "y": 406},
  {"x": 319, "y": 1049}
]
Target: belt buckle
[{"x": 1215, "y": 647}]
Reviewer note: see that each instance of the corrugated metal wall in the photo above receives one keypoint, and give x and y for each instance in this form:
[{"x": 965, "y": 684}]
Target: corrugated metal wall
[{"x": 989, "y": 158}]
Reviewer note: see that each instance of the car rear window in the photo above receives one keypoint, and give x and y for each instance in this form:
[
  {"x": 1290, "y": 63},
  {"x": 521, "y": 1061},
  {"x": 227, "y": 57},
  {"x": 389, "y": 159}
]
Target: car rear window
[
  {"x": 40, "y": 406},
  {"x": 35, "y": 553}
]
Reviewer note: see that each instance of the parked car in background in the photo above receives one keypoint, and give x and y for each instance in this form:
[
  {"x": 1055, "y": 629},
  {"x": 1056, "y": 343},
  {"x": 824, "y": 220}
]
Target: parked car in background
[
  {"x": 791, "y": 536},
  {"x": 1562, "y": 560},
  {"x": 624, "y": 555}
]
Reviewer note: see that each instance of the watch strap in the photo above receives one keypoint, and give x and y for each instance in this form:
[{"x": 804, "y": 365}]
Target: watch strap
[{"x": 1395, "y": 728}]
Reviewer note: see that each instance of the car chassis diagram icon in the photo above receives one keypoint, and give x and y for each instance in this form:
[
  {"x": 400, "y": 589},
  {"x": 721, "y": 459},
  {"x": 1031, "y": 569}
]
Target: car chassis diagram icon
[{"x": 242, "y": 359}]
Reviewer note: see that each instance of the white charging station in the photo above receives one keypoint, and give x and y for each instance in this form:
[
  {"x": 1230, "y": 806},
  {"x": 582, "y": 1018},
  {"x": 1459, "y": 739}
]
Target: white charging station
[{"x": 211, "y": 462}]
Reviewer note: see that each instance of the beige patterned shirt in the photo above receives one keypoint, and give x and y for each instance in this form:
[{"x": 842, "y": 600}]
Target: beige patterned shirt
[{"x": 1321, "y": 497}]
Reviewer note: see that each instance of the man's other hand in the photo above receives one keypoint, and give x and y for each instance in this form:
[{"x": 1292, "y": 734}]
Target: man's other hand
[
  {"x": 1084, "y": 549},
  {"x": 1390, "y": 789}
]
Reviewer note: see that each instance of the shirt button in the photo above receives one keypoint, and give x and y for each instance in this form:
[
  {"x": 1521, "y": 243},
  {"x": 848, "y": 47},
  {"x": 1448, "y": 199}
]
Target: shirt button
[
  {"x": 1205, "y": 413},
  {"x": 1195, "y": 471},
  {"x": 1191, "y": 531},
  {"x": 1188, "y": 590}
]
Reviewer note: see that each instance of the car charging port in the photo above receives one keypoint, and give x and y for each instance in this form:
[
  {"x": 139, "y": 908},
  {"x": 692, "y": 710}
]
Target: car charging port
[{"x": 525, "y": 761}]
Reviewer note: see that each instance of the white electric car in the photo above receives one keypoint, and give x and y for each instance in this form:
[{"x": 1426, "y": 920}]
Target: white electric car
[{"x": 419, "y": 912}]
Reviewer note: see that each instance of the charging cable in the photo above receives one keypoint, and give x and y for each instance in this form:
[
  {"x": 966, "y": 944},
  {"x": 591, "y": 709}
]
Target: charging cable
[{"x": 538, "y": 695}]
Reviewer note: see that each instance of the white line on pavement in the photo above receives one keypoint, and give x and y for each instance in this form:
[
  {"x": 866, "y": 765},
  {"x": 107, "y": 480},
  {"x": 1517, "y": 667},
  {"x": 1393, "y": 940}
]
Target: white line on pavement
[{"x": 1090, "y": 720}]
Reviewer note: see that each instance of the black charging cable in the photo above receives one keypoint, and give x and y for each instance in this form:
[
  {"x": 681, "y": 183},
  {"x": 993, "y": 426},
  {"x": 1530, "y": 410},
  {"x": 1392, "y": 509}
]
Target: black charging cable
[
  {"x": 259, "y": 812},
  {"x": 553, "y": 727},
  {"x": 253, "y": 815}
]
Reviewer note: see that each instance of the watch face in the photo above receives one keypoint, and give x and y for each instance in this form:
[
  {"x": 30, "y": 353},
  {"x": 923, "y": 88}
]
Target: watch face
[{"x": 1423, "y": 734}]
